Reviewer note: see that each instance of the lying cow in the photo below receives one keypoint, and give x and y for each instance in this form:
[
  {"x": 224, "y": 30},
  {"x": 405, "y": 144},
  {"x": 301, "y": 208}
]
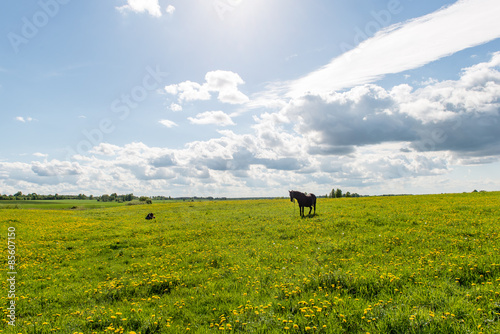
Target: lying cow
[{"x": 150, "y": 216}]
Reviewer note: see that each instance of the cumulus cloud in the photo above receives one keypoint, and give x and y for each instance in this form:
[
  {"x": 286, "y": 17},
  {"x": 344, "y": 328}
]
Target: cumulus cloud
[
  {"x": 212, "y": 117},
  {"x": 461, "y": 116},
  {"x": 189, "y": 91},
  {"x": 232, "y": 162},
  {"x": 166, "y": 160},
  {"x": 140, "y": 6},
  {"x": 170, "y": 9},
  {"x": 105, "y": 149},
  {"x": 224, "y": 83},
  {"x": 342, "y": 121},
  {"x": 175, "y": 107},
  {"x": 55, "y": 168}
]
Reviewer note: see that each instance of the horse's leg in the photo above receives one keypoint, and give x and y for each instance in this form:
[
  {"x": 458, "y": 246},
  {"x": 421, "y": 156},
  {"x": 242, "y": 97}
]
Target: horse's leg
[{"x": 310, "y": 209}]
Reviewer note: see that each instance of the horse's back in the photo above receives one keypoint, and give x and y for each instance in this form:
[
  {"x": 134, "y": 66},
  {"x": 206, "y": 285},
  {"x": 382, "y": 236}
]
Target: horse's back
[
  {"x": 310, "y": 199},
  {"x": 304, "y": 199}
]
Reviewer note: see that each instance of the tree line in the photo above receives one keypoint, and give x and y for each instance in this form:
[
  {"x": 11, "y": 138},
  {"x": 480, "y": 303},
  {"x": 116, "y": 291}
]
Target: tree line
[
  {"x": 114, "y": 197},
  {"x": 337, "y": 193},
  {"x": 19, "y": 196}
]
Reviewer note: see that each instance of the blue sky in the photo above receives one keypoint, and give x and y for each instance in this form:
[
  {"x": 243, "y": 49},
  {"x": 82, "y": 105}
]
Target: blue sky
[{"x": 249, "y": 98}]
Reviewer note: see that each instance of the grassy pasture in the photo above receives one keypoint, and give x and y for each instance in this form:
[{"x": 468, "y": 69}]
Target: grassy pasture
[
  {"x": 57, "y": 204},
  {"x": 409, "y": 264}
]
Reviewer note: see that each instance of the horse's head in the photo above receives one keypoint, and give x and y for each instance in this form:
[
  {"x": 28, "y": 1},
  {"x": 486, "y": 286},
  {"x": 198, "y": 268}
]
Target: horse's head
[{"x": 291, "y": 195}]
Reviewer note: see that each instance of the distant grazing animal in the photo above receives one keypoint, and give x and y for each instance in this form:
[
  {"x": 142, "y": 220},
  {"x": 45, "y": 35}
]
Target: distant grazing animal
[
  {"x": 150, "y": 216},
  {"x": 304, "y": 200}
]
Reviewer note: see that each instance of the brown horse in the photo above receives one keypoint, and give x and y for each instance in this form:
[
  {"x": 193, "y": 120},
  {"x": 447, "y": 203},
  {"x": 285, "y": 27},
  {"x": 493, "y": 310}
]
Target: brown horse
[{"x": 304, "y": 200}]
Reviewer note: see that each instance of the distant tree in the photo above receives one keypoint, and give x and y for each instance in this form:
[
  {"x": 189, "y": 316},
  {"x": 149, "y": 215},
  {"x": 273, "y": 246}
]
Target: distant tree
[
  {"x": 338, "y": 193},
  {"x": 105, "y": 198},
  {"x": 113, "y": 197},
  {"x": 332, "y": 193},
  {"x": 348, "y": 194}
]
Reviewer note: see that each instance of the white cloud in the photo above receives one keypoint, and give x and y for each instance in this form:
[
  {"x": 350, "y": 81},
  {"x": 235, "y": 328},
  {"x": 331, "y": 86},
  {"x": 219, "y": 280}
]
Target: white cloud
[
  {"x": 140, "y": 6},
  {"x": 405, "y": 46},
  {"x": 189, "y": 91},
  {"x": 167, "y": 123},
  {"x": 460, "y": 116},
  {"x": 225, "y": 83},
  {"x": 105, "y": 149},
  {"x": 56, "y": 168},
  {"x": 175, "y": 107},
  {"x": 23, "y": 119},
  {"x": 41, "y": 155},
  {"x": 212, "y": 117},
  {"x": 170, "y": 9}
]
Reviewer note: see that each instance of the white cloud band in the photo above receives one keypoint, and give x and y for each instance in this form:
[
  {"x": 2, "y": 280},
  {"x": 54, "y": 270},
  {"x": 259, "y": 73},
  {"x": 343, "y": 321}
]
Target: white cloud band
[{"x": 405, "y": 46}]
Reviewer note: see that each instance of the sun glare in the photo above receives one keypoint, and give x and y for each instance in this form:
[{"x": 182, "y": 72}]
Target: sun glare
[{"x": 242, "y": 16}]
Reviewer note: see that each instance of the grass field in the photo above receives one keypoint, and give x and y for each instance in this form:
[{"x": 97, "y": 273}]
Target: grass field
[
  {"x": 409, "y": 264},
  {"x": 58, "y": 204}
]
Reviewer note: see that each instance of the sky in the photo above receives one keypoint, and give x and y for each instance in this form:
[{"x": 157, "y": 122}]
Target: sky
[{"x": 240, "y": 98}]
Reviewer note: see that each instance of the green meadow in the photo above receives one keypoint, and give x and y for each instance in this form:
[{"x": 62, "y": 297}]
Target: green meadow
[
  {"x": 58, "y": 204},
  {"x": 402, "y": 264}
]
